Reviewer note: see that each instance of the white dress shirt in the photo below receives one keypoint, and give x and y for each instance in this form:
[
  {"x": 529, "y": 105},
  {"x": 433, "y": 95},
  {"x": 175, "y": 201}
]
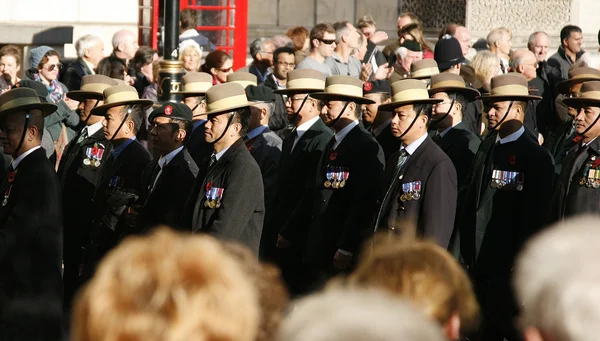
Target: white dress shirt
[
  {"x": 340, "y": 135},
  {"x": 164, "y": 160},
  {"x": 303, "y": 128},
  {"x": 512, "y": 137},
  {"x": 15, "y": 162}
]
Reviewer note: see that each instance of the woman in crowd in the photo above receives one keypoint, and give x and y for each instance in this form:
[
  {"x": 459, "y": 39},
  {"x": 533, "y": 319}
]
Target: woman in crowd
[
  {"x": 142, "y": 64},
  {"x": 191, "y": 54},
  {"x": 10, "y": 64},
  {"x": 415, "y": 32},
  {"x": 299, "y": 36},
  {"x": 114, "y": 68},
  {"x": 219, "y": 64}
]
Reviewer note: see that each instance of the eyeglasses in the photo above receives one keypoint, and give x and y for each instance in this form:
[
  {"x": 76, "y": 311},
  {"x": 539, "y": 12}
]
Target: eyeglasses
[
  {"x": 226, "y": 70},
  {"x": 291, "y": 99},
  {"x": 51, "y": 67},
  {"x": 291, "y": 65},
  {"x": 327, "y": 41}
]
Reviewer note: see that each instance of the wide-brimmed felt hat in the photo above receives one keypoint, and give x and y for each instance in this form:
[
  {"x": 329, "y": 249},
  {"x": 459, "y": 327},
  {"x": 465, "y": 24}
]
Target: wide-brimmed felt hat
[
  {"x": 423, "y": 69},
  {"x": 242, "y": 78},
  {"x": 224, "y": 98},
  {"x": 408, "y": 91},
  {"x": 589, "y": 95},
  {"x": 120, "y": 95},
  {"x": 24, "y": 99},
  {"x": 578, "y": 75},
  {"x": 195, "y": 84},
  {"x": 303, "y": 81},
  {"x": 343, "y": 88},
  {"x": 450, "y": 82},
  {"x": 92, "y": 87},
  {"x": 508, "y": 87}
]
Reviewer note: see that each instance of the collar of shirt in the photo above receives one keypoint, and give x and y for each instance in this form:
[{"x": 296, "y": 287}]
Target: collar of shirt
[
  {"x": 279, "y": 85},
  {"x": 255, "y": 132},
  {"x": 117, "y": 151},
  {"x": 305, "y": 126},
  {"x": 15, "y": 162},
  {"x": 382, "y": 126},
  {"x": 411, "y": 148},
  {"x": 447, "y": 130},
  {"x": 189, "y": 33},
  {"x": 94, "y": 128},
  {"x": 89, "y": 65},
  {"x": 512, "y": 137},
  {"x": 261, "y": 76},
  {"x": 340, "y": 135},
  {"x": 197, "y": 124},
  {"x": 165, "y": 160},
  {"x": 588, "y": 143},
  {"x": 220, "y": 154}
]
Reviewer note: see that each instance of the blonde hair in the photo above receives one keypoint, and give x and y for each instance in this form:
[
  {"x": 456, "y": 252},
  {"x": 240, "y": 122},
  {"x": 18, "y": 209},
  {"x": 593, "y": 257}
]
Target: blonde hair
[
  {"x": 167, "y": 287},
  {"x": 422, "y": 272},
  {"x": 485, "y": 64}
]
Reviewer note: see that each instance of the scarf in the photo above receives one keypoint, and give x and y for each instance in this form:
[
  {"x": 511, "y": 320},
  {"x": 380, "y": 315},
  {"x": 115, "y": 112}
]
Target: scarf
[{"x": 55, "y": 91}]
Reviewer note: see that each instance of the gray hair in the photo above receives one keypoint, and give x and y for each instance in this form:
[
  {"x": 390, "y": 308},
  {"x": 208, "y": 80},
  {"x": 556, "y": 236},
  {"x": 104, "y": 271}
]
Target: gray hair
[
  {"x": 533, "y": 38},
  {"x": 269, "y": 106},
  {"x": 257, "y": 46},
  {"x": 86, "y": 42},
  {"x": 281, "y": 40},
  {"x": 341, "y": 30},
  {"x": 357, "y": 315}
]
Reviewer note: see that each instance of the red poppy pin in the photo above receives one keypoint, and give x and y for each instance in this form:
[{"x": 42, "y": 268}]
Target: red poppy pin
[
  {"x": 368, "y": 86},
  {"x": 168, "y": 110},
  {"x": 512, "y": 159},
  {"x": 578, "y": 139},
  {"x": 596, "y": 163},
  {"x": 208, "y": 186},
  {"x": 333, "y": 156},
  {"x": 11, "y": 177}
]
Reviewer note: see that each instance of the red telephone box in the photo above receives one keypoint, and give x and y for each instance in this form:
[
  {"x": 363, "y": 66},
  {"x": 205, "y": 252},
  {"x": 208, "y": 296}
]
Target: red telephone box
[{"x": 224, "y": 22}]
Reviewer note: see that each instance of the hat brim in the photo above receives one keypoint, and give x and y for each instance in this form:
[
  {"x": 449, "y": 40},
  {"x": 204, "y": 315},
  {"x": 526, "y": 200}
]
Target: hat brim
[
  {"x": 337, "y": 97},
  {"x": 296, "y": 91},
  {"x": 422, "y": 77},
  {"x": 45, "y": 108},
  {"x": 564, "y": 86},
  {"x": 101, "y": 110},
  {"x": 578, "y": 102},
  {"x": 80, "y": 96},
  {"x": 189, "y": 93},
  {"x": 394, "y": 105},
  {"x": 223, "y": 111},
  {"x": 470, "y": 94},
  {"x": 500, "y": 98},
  {"x": 443, "y": 66}
]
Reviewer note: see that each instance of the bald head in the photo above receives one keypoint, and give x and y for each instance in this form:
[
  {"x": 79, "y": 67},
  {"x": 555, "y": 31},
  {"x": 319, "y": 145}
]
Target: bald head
[
  {"x": 463, "y": 35},
  {"x": 524, "y": 62},
  {"x": 125, "y": 44}
]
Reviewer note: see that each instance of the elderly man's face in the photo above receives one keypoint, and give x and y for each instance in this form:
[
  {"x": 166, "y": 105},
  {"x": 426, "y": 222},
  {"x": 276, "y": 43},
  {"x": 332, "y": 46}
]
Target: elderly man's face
[
  {"x": 130, "y": 46},
  {"x": 463, "y": 35},
  {"x": 266, "y": 54},
  {"x": 505, "y": 44},
  {"x": 95, "y": 54},
  {"x": 410, "y": 58},
  {"x": 540, "y": 47}
]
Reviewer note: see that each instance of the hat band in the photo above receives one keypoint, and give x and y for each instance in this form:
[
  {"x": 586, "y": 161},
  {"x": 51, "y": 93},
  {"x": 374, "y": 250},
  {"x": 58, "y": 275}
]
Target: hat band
[
  {"x": 426, "y": 72},
  {"x": 448, "y": 84},
  {"x": 344, "y": 90},
  {"x": 590, "y": 95},
  {"x": 227, "y": 102},
  {"x": 124, "y": 96},
  {"x": 510, "y": 90},
  {"x": 305, "y": 83},
  {"x": 17, "y": 102},
  {"x": 586, "y": 75},
  {"x": 95, "y": 87},
  {"x": 196, "y": 87},
  {"x": 410, "y": 95}
]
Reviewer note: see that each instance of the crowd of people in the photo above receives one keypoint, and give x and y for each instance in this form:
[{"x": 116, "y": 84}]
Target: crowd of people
[{"x": 411, "y": 191}]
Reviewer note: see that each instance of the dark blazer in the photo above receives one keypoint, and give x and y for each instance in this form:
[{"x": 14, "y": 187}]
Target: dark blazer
[
  {"x": 241, "y": 214},
  {"x": 461, "y": 146},
  {"x": 388, "y": 142},
  {"x": 164, "y": 203},
  {"x": 573, "y": 195},
  {"x": 564, "y": 143},
  {"x": 343, "y": 217},
  {"x": 78, "y": 182},
  {"x": 290, "y": 215},
  {"x": 434, "y": 212},
  {"x": 74, "y": 74},
  {"x": 266, "y": 150},
  {"x": 31, "y": 252},
  {"x": 197, "y": 146},
  {"x": 119, "y": 188}
]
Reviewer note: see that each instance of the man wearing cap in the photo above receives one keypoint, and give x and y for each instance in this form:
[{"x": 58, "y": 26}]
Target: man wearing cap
[
  {"x": 79, "y": 172},
  {"x": 195, "y": 85},
  {"x": 30, "y": 224},
  {"x": 262, "y": 143},
  {"x": 507, "y": 200},
  {"x": 420, "y": 180},
  {"x": 577, "y": 191},
  {"x": 452, "y": 136},
  {"x": 346, "y": 187},
  {"x": 378, "y": 122},
  {"x": 166, "y": 181},
  {"x": 409, "y": 52},
  {"x": 284, "y": 236},
  {"x": 228, "y": 196},
  {"x": 120, "y": 182}
]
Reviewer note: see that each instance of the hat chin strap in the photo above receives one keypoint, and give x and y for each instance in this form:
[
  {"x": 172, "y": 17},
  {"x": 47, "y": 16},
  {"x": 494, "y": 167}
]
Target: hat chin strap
[
  {"x": 338, "y": 116},
  {"x": 229, "y": 121},
  {"x": 294, "y": 117},
  {"x": 503, "y": 117},
  {"x": 122, "y": 123},
  {"x": 447, "y": 113},
  {"x": 410, "y": 126},
  {"x": 591, "y": 126}
]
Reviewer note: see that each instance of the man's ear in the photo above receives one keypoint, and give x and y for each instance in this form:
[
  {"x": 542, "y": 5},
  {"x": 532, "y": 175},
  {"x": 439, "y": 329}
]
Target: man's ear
[
  {"x": 532, "y": 334},
  {"x": 521, "y": 68},
  {"x": 181, "y": 133},
  {"x": 263, "y": 113}
]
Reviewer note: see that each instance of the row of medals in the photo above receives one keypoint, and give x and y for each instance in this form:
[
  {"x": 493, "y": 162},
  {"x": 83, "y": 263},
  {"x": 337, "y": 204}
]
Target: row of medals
[
  {"x": 410, "y": 196},
  {"x": 500, "y": 181},
  {"x": 93, "y": 162},
  {"x": 210, "y": 203},
  {"x": 593, "y": 175},
  {"x": 334, "y": 183}
]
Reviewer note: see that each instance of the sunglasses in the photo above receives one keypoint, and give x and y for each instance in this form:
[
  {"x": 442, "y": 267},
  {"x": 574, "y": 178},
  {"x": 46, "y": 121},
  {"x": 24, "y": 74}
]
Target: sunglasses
[
  {"x": 226, "y": 70},
  {"x": 327, "y": 41},
  {"x": 51, "y": 67}
]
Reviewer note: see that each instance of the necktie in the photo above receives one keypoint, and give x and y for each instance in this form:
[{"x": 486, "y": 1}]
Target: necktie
[
  {"x": 331, "y": 144},
  {"x": 437, "y": 139},
  {"x": 83, "y": 135},
  {"x": 157, "y": 172},
  {"x": 213, "y": 160}
]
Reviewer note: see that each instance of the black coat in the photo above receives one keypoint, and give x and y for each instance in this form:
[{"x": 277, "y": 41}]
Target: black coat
[
  {"x": 163, "y": 204},
  {"x": 575, "y": 193},
  {"x": 388, "y": 142},
  {"x": 461, "y": 146},
  {"x": 78, "y": 183},
  {"x": 343, "y": 217},
  {"x": 266, "y": 150},
  {"x": 564, "y": 143},
  {"x": 197, "y": 146},
  {"x": 74, "y": 74},
  {"x": 434, "y": 212},
  {"x": 241, "y": 213},
  {"x": 31, "y": 252}
]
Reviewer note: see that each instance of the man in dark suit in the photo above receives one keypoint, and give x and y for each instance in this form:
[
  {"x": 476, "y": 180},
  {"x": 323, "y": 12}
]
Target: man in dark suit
[
  {"x": 90, "y": 50},
  {"x": 166, "y": 180},
  {"x": 79, "y": 174},
  {"x": 577, "y": 191},
  {"x": 262, "y": 143},
  {"x": 120, "y": 182},
  {"x": 195, "y": 85},
  {"x": 420, "y": 180},
  {"x": 452, "y": 136},
  {"x": 228, "y": 196},
  {"x": 508, "y": 199},
  {"x": 346, "y": 187},
  {"x": 284, "y": 61},
  {"x": 30, "y": 224},
  {"x": 379, "y": 123},
  {"x": 286, "y": 226}
]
